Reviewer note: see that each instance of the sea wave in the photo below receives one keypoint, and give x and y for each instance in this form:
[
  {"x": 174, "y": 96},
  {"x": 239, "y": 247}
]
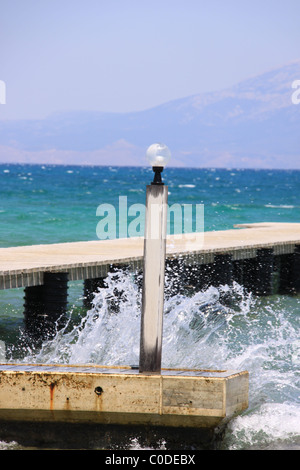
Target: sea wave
[{"x": 218, "y": 328}]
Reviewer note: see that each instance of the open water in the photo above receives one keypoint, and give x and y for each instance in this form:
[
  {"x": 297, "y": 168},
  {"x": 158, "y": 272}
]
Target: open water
[{"x": 50, "y": 204}]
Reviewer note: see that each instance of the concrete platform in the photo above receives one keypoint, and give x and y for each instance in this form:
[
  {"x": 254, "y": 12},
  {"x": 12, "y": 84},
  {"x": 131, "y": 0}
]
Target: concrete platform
[
  {"x": 24, "y": 266},
  {"x": 121, "y": 395}
]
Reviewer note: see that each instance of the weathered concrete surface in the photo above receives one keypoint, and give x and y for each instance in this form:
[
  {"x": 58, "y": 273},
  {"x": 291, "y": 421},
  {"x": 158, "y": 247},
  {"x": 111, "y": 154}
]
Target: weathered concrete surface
[
  {"x": 121, "y": 395},
  {"x": 25, "y": 265}
]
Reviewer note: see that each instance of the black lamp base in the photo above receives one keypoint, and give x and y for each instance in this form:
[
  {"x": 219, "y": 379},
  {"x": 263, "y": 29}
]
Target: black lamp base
[{"x": 157, "y": 175}]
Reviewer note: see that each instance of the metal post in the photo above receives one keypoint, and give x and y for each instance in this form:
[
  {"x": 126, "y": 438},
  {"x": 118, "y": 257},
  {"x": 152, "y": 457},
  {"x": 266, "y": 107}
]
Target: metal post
[{"x": 153, "y": 281}]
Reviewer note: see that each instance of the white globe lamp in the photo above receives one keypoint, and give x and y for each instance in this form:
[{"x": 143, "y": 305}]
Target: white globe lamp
[{"x": 158, "y": 155}]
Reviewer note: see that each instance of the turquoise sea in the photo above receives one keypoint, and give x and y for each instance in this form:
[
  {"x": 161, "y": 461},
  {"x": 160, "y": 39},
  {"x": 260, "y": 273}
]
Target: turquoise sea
[{"x": 51, "y": 204}]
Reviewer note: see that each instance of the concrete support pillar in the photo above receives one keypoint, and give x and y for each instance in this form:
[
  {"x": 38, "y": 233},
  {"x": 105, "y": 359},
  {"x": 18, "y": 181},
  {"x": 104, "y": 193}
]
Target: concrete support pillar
[
  {"x": 189, "y": 277},
  {"x": 222, "y": 270},
  {"x": 249, "y": 269},
  {"x": 264, "y": 272},
  {"x": 193, "y": 280},
  {"x": 276, "y": 274},
  {"x": 296, "y": 269},
  {"x": 45, "y": 306},
  {"x": 34, "y": 311},
  {"x": 206, "y": 275},
  {"x": 258, "y": 272},
  {"x": 289, "y": 282},
  {"x": 238, "y": 271},
  {"x": 179, "y": 276},
  {"x": 285, "y": 281}
]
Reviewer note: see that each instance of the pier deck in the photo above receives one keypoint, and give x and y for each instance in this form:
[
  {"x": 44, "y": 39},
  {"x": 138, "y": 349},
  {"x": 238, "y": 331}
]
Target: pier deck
[{"x": 24, "y": 266}]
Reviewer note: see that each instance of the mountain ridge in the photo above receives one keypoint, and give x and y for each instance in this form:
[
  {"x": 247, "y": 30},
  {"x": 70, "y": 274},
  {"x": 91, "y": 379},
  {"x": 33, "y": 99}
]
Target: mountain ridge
[{"x": 252, "y": 124}]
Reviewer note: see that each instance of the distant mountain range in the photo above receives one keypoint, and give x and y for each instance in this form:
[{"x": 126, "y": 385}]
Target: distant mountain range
[{"x": 251, "y": 125}]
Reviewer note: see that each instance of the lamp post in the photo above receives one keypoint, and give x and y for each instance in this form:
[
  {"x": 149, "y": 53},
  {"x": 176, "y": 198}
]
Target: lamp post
[{"x": 154, "y": 263}]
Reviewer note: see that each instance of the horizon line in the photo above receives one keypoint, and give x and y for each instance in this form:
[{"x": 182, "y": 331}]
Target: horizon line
[{"x": 149, "y": 168}]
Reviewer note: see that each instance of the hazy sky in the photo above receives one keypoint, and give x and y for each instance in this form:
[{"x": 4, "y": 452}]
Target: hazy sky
[{"x": 113, "y": 55}]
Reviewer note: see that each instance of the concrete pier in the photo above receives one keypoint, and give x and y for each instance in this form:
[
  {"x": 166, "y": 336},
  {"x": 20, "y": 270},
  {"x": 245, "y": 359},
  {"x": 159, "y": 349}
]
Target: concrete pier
[
  {"x": 24, "y": 266},
  {"x": 121, "y": 395},
  {"x": 263, "y": 257}
]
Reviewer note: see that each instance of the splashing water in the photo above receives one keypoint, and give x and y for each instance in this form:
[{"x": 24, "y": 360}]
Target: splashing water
[{"x": 201, "y": 330}]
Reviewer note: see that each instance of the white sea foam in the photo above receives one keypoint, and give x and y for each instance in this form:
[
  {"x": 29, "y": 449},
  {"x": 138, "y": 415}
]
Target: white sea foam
[
  {"x": 280, "y": 206},
  {"x": 201, "y": 331},
  {"x": 12, "y": 445},
  {"x": 270, "y": 426}
]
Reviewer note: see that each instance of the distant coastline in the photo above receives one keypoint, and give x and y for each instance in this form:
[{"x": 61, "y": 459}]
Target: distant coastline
[
  {"x": 254, "y": 124},
  {"x": 91, "y": 165}
]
